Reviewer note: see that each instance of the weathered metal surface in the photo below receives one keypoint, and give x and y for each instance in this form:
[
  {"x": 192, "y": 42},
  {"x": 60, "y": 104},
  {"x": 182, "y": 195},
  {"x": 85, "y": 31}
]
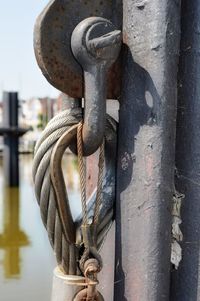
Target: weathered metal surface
[
  {"x": 186, "y": 280},
  {"x": 92, "y": 165},
  {"x": 52, "y": 43},
  {"x": 96, "y": 44},
  {"x": 146, "y": 149}
]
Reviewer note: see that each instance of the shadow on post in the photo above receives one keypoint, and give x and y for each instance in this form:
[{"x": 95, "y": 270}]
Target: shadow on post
[{"x": 144, "y": 111}]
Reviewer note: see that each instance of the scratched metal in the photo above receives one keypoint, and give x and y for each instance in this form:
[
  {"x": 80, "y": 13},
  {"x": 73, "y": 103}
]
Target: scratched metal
[
  {"x": 146, "y": 147},
  {"x": 52, "y": 40}
]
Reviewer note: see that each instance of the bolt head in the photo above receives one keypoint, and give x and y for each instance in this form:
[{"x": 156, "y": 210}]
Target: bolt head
[{"x": 96, "y": 40}]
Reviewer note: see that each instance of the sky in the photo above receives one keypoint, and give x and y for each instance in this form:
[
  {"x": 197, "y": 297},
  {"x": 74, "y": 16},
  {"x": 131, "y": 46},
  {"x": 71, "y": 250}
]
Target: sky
[{"x": 18, "y": 68}]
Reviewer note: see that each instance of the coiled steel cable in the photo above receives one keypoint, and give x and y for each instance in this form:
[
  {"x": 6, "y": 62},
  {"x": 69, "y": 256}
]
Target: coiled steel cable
[{"x": 66, "y": 253}]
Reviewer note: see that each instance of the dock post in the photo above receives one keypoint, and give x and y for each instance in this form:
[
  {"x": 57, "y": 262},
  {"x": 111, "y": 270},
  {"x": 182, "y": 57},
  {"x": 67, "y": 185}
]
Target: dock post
[
  {"x": 186, "y": 280},
  {"x": 11, "y": 142},
  {"x": 11, "y": 133},
  {"x": 146, "y": 149}
]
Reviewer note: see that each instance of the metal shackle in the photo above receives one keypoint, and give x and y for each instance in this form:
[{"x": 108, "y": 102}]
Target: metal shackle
[{"x": 96, "y": 44}]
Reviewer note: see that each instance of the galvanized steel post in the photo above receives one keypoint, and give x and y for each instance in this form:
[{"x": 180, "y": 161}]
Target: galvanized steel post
[
  {"x": 146, "y": 149},
  {"x": 186, "y": 281}
]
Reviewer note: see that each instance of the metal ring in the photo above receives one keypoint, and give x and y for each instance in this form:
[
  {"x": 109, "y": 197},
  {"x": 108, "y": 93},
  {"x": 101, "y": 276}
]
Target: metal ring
[{"x": 82, "y": 295}]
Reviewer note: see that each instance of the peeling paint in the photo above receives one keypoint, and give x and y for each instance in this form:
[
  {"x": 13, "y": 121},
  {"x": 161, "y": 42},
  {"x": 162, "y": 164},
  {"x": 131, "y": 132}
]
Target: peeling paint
[
  {"x": 177, "y": 235},
  {"x": 126, "y": 159},
  {"x": 176, "y": 254}
]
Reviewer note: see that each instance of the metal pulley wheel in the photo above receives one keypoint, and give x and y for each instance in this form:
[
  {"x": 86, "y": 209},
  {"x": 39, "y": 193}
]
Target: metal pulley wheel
[{"x": 52, "y": 43}]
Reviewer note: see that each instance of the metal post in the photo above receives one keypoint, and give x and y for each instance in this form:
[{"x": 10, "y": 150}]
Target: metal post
[
  {"x": 186, "y": 281},
  {"x": 11, "y": 133},
  {"x": 11, "y": 142},
  {"x": 146, "y": 149}
]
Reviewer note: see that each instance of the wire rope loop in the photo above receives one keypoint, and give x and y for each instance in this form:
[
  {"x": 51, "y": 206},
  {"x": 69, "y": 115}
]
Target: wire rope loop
[
  {"x": 63, "y": 231},
  {"x": 58, "y": 183}
]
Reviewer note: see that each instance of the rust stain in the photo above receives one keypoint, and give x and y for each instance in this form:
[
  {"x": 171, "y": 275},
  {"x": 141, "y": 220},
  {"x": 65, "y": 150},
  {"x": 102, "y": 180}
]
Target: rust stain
[{"x": 53, "y": 50}]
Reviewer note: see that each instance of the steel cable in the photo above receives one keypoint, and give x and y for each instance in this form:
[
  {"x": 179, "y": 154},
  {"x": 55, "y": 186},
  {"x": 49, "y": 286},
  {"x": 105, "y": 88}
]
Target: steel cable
[
  {"x": 82, "y": 172},
  {"x": 67, "y": 254}
]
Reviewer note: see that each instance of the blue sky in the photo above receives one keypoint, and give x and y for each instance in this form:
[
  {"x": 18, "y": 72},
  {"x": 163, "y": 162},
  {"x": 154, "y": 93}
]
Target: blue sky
[{"x": 18, "y": 68}]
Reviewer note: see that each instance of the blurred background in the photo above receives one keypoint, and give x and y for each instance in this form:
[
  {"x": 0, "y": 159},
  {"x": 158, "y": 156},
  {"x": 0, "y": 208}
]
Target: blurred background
[{"x": 26, "y": 259}]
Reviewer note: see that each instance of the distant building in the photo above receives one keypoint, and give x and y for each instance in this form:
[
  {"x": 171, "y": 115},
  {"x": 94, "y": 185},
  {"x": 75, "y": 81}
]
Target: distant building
[
  {"x": 47, "y": 105},
  {"x": 35, "y": 113}
]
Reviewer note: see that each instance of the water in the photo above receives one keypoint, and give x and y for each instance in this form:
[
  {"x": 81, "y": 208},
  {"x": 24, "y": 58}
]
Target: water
[{"x": 26, "y": 258}]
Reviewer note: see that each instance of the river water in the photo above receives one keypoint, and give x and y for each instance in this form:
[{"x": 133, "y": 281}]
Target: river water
[{"x": 26, "y": 258}]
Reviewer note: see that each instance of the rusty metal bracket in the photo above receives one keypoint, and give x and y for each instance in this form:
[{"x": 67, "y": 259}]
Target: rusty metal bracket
[{"x": 52, "y": 43}]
